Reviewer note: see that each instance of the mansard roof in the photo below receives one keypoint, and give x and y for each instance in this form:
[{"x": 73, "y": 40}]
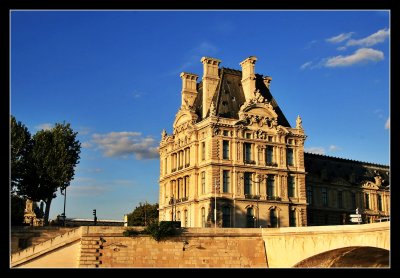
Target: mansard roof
[
  {"x": 330, "y": 169},
  {"x": 230, "y": 96}
]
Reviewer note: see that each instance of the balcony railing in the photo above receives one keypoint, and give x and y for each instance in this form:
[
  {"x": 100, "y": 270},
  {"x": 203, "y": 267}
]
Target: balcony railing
[
  {"x": 187, "y": 164},
  {"x": 173, "y": 170},
  {"x": 251, "y": 196},
  {"x": 249, "y": 162},
  {"x": 273, "y": 164},
  {"x": 274, "y": 198},
  {"x": 184, "y": 199}
]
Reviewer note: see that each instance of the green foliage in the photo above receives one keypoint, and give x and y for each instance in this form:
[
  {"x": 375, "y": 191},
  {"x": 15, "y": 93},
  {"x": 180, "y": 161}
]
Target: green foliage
[
  {"x": 21, "y": 145},
  {"x": 143, "y": 215},
  {"x": 131, "y": 232},
  {"x": 17, "y": 210},
  {"x": 158, "y": 231},
  {"x": 50, "y": 163}
]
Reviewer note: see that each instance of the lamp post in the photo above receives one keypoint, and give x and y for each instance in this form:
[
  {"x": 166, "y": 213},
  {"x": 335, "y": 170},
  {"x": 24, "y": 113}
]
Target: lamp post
[
  {"x": 64, "y": 192},
  {"x": 261, "y": 178}
]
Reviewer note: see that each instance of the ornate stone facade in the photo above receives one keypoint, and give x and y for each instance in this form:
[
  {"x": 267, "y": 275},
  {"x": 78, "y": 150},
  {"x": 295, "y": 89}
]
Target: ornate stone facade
[
  {"x": 233, "y": 147},
  {"x": 336, "y": 187}
]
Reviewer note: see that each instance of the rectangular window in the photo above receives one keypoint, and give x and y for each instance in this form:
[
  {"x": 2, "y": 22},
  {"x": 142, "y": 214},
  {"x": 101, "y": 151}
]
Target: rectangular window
[
  {"x": 290, "y": 157},
  {"x": 248, "y": 135},
  {"x": 226, "y": 181},
  {"x": 247, "y": 153},
  {"x": 291, "y": 187},
  {"x": 309, "y": 195},
  {"x": 226, "y": 133},
  {"x": 270, "y": 187},
  {"x": 292, "y": 218},
  {"x": 379, "y": 202},
  {"x": 340, "y": 199},
  {"x": 203, "y": 150},
  {"x": 225, "y": 149},
  {"x": 366, "y": 200},
  {"x": 353, "y": 200},
  {"x": 269, "y": 155},
  {"x": 247, "y": 183},
  {"x": 324, "y": 193},
  {"x": 187, "y": 157},
  {"x": 203, "y": 182}
]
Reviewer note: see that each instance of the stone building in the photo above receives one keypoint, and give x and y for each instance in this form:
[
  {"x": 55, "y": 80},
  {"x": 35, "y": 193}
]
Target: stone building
[
  {"x": 233, "y": 156},
  {"x": 232, "y": 146},
  {"x": 336, "y": 187}
]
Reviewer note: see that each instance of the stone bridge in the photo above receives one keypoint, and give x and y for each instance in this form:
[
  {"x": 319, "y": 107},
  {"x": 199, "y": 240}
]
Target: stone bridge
[{"x": 101, "y": 246}]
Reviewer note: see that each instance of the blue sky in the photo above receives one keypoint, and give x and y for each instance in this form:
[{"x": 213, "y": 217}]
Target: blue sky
[{"x": 104, "y": 71}]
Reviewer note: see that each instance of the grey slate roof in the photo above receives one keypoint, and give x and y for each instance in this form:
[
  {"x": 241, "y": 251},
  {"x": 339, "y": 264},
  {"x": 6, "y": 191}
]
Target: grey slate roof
[
  {"x": 344, "y": 168},
  {"x": 230, "y": 96}
]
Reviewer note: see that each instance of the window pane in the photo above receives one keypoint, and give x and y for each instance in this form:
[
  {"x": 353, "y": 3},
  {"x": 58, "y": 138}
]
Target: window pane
[
  {"x": 226, "y": 181},
  {"x": 290, "y": 157},
  {"x": 291, "y": 187},
  {"x": 247, "y": 183},
  {"x": 225, "y": 151}
]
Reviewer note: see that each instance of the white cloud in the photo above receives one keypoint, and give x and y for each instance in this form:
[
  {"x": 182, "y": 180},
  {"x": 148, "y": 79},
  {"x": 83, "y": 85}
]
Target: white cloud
[
  {"x": 334, "y": 148},
  {"x": 315, "y": 150},
  {"x": 361, "y": 55},
  {"x": 306, "y": 65},
  {"x": 340, "y": 38},
  {"x": 84, "y": 130},
  {"x": 378, "y": 37},
  {"x": 45, "y": 126},
  {"x": 387, "y": 124},
  {"x": 86, "y": 145},
  {"x": 123, "y": 144},
  {"x": 341, "y": 48}
]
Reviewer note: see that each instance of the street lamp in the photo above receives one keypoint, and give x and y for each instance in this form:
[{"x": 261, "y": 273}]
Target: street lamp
[{"x": 65, "y": 201}]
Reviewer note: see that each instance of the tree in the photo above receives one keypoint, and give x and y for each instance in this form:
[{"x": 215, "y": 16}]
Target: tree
[
  {"x": 17, "y": 210},
  {"x": 143, "y": 215},
  {"x": 21, "y": 145},
  {"x": 51, "y": 166}
]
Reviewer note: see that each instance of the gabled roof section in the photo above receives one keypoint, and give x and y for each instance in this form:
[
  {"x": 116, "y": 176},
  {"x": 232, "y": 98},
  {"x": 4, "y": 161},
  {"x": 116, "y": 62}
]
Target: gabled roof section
[{"x": 230, "y": 96}]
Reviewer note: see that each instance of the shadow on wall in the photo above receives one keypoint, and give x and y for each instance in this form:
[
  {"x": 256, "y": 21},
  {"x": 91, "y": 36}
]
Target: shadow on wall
[{"x": 356, "y": 256}]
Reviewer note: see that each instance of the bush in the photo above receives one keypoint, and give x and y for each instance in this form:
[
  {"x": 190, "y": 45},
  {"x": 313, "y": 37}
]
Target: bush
[{"x": 158, "y": 231}]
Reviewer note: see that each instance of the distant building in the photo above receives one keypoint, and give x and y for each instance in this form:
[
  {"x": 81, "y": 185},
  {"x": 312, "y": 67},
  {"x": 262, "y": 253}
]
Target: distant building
[
  {"x": 234, "y": 157},
  {"x": 337, "y": 187},
  {"x": 76, "y": 222}
]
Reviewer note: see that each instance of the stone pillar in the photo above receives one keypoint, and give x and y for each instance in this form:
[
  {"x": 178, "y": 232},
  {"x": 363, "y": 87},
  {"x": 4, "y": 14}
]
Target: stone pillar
[
  {"x": 248, "y": 77},
  {"x": 189, "y": 88},
  {"x": 210, "y": 81}
]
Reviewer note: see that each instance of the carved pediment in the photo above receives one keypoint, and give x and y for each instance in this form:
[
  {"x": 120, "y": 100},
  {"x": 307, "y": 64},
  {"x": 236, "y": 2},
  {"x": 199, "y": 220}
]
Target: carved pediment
[
  {"x": 369, "y": 185},
  {"x": 184, "y": 119}
]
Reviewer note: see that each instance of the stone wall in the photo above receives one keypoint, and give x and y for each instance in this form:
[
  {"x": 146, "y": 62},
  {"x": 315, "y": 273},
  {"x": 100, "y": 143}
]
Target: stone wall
[{"x": 196, "y": 248}]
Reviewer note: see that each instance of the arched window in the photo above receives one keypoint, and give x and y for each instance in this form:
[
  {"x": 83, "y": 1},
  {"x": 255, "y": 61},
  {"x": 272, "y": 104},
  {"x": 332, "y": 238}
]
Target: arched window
[
  {"x": 203, "y": 217},
  {"x": 226, "y": 217},
  {"x": 273, "y": 218},
  {"x": 250, "y": 218},
  {"x": 179, "y": 216}
]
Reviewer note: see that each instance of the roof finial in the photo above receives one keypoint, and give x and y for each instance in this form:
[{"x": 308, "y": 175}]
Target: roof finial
[{"x": 299, "y": 122}]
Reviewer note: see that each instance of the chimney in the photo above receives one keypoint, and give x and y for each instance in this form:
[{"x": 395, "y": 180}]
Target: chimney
[
  {"x": 189, "y": 89},
  {"x": 248, "y": 77},
  {"x": 210, "y": 81}
]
